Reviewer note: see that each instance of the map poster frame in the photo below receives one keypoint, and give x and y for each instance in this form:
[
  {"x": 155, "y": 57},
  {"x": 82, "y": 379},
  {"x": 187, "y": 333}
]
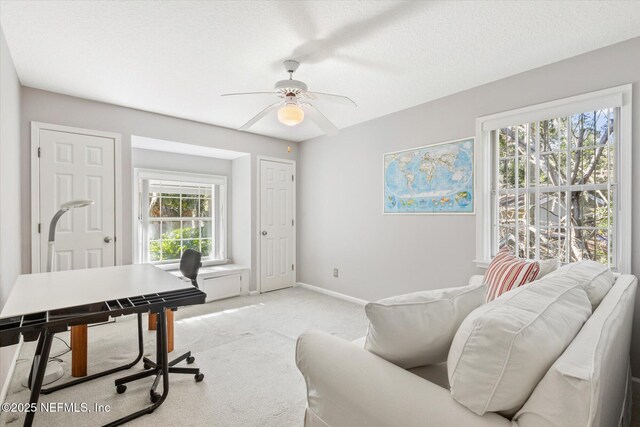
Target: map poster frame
[{"x": 446, "y": 204}]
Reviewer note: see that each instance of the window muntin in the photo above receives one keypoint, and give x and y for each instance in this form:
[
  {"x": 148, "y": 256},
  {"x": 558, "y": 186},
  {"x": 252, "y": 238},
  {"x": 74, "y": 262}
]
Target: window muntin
[
  {"x": 553, "y": 187},
  {"x": 179, "y": 210},
  {"x": 180, "y": 216}
]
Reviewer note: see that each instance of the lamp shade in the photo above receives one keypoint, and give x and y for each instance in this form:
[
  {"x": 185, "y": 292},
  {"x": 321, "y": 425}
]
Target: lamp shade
[
  {"x": 80, "y": 203},
  {"x": 290, "y": 114}
]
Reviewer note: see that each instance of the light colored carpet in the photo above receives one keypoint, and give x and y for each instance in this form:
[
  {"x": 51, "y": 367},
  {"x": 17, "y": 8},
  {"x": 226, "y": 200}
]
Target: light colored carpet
[{"x": 245, "y": 346}]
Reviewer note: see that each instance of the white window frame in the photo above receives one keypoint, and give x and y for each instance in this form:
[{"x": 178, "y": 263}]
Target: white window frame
[
  {"x": 616, "y": 97},
  {"x": 221, "y": 218}
]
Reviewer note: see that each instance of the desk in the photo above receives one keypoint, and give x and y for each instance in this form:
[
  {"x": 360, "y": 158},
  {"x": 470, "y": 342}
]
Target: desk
[
  {"x": 61, "y": 289},
  {"x": 43, "y": 304},
  {"x": 33, "y": 293}
]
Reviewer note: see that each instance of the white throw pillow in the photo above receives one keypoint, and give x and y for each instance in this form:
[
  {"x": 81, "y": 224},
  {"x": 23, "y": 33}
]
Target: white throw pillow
[
  {"x": 596, "y": 279},
  {"x": 504, "y": 348},
  {"x": 417, "y": 329}
]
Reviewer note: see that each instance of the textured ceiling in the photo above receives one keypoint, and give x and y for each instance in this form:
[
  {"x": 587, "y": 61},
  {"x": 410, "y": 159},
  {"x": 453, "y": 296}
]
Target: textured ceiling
[{"x": 177, "y": 57}]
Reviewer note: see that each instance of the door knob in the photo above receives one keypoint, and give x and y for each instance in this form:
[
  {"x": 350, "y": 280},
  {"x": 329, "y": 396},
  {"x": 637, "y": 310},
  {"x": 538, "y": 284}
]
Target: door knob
[
  {"x": 264, "y": 233},
  {"x": 107, "y": 239}
]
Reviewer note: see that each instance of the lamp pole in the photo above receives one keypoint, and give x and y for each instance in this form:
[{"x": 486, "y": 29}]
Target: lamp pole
[{"x": 53, "y": 371}]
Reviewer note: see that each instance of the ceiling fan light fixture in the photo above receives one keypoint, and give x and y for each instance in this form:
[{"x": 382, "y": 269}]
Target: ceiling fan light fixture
[
  {"x": 291, "y": 114},
  {"x": 293, "y": 95}
]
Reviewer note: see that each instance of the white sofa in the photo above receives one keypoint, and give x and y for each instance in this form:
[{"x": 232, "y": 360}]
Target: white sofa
[{"x": 589, "y": 385}]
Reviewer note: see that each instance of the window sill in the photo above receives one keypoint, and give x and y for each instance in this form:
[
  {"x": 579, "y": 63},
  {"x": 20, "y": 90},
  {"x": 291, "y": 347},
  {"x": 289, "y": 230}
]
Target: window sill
[
  {"x": 208, "y": 263},
  {"x": 215, "y": 270},
  {"x": 482, "y": 263}
]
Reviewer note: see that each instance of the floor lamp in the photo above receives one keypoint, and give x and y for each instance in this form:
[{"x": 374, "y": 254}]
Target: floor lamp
[{"x": 54, "y": 371}]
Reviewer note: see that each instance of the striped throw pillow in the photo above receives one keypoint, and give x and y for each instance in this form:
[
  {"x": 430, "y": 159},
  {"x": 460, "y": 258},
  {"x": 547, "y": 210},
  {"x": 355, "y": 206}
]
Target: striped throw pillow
[{"x": 507, "y": 272}]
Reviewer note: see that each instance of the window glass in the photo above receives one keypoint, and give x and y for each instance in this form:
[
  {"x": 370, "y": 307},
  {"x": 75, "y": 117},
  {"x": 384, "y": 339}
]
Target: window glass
[
  {"x": 180, "y": 215},
  {"x": 552, "y": 190}
]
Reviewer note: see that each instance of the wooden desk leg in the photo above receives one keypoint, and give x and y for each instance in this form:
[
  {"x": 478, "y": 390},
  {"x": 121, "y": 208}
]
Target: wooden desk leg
[
  {"x": 170, "y": 331},
  {"x": 79, "y": 351},
  {"x": 153, "y": 318}
]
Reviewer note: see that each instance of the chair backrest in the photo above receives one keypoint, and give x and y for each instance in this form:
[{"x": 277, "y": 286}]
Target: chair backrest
[{"x": 190, "y": 263}]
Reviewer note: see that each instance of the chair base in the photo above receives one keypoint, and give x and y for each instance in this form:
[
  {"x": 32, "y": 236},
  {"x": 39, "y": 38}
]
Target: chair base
[{"x": 153, "y": 369}]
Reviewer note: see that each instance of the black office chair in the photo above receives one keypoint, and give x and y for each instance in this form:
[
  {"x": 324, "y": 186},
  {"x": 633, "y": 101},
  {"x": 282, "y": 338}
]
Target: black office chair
[{"x": 190, "y": 264}]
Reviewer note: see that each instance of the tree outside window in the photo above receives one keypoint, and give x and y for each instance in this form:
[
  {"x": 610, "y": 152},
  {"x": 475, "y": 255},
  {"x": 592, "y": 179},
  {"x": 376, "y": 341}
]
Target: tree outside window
[
  {"x": 180, "y": 217},
  {"x": 553, "y": 196}
]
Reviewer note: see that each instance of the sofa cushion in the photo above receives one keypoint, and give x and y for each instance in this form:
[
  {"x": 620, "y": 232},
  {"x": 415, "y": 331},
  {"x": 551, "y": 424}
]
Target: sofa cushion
[
  {"x": 504, "y": 348},
  {"x": 417, "y": 329},
  {"x": 507, "y": 272},
  {"x": 595, "y": 278}
]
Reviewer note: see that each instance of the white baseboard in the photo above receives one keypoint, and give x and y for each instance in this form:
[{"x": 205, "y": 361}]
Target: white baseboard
[
  {"x": 332, "y": 293},
  {"x": 12, "y": 368},
  {"x": 252, "y": 293}
]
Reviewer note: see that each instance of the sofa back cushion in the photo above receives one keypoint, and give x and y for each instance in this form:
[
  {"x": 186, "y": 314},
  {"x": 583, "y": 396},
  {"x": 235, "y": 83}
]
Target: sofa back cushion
[
  {"x": 504, "y": 348},
  {"x": 595, "y": 278},
  {"x": 417, "y": 329},
  {"x": 586, "y": 386}
]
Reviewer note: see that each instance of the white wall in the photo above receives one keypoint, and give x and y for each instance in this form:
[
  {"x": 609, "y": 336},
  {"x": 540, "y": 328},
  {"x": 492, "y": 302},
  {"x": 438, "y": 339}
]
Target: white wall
[
  {"x": 10, "y": 214},
  {"x": 162, "y": 160},
  {"x": 49, "y": 107},
  {"x": 340, "y": 221},
  {"x": 241, "y": 200}
]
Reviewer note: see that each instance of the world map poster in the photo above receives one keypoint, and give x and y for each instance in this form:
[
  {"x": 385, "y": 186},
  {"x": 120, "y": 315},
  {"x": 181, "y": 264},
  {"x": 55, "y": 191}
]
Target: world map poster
[{"x": 433, "y": 179}]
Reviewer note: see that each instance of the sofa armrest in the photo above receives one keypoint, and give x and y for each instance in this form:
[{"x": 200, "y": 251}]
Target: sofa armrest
[
  {"x": 349, "y": 386},
  {"x": 476, "y": 279}
]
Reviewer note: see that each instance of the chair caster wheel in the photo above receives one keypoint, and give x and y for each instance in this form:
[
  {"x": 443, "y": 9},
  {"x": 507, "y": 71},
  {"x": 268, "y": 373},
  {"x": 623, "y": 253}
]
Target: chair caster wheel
[
  {"x": 146, "y": 367},
  {"x": 155, "y": 397},
  {"x": 199, "y": 377},
  {"x": 121, "y": 388},
  {"x": 190, "y": 360}
]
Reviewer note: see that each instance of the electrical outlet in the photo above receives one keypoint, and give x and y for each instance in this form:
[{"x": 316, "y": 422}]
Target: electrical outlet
[{"x": 335, "y": 272}]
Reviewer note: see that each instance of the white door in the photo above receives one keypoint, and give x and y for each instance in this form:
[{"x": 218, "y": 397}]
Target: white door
[
  {"x": 76, "y": 166},
  {"x": 276, "y": 225}
]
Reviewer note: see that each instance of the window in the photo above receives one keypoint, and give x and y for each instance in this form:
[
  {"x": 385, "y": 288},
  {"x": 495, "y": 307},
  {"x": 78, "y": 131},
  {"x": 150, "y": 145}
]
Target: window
[
  {"x": 178, "y": 212},
  {"x": 552, "y": 192},
  {"x": 555, "y": 182}
]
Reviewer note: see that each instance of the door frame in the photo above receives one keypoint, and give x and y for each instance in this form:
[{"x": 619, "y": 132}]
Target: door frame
[
  {"x": 259, "y": 219},
  {"x": 36, "y": 127}
]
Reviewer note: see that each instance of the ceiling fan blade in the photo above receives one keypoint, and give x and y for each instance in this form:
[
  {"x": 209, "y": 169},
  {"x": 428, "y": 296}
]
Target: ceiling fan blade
[
  {"x": 367, "y": 63},
  {"x": 260, "y": 115},
  {"x": 319, "y": 119},
  {"x": 315, "y": 49},
  {"x": 329, "y": 96},
  {"x": 248, "y": 93}
]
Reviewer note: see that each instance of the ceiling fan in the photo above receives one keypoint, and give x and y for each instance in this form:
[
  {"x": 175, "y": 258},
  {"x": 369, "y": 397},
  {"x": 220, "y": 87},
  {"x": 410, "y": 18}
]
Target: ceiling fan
[{"x": 296, "y": 102}]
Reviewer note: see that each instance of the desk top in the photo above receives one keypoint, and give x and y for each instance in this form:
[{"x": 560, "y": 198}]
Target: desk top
[{"x": 50, "y": 291}]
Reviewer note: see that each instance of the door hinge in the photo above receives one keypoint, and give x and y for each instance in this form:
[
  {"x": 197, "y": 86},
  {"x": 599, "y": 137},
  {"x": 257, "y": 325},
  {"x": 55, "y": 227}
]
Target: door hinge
[
  {"x": 291, "y": 177},
  {"x": 291, "y": 222},
  {"x": 292, "y": 267},
  {"x": 39, "y": 225},
  {"x": 38, "y": 151}
]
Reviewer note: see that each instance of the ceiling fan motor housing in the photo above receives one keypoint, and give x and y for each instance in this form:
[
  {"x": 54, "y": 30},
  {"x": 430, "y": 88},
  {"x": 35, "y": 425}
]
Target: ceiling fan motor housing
[{"x": 286, "y": 87}]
